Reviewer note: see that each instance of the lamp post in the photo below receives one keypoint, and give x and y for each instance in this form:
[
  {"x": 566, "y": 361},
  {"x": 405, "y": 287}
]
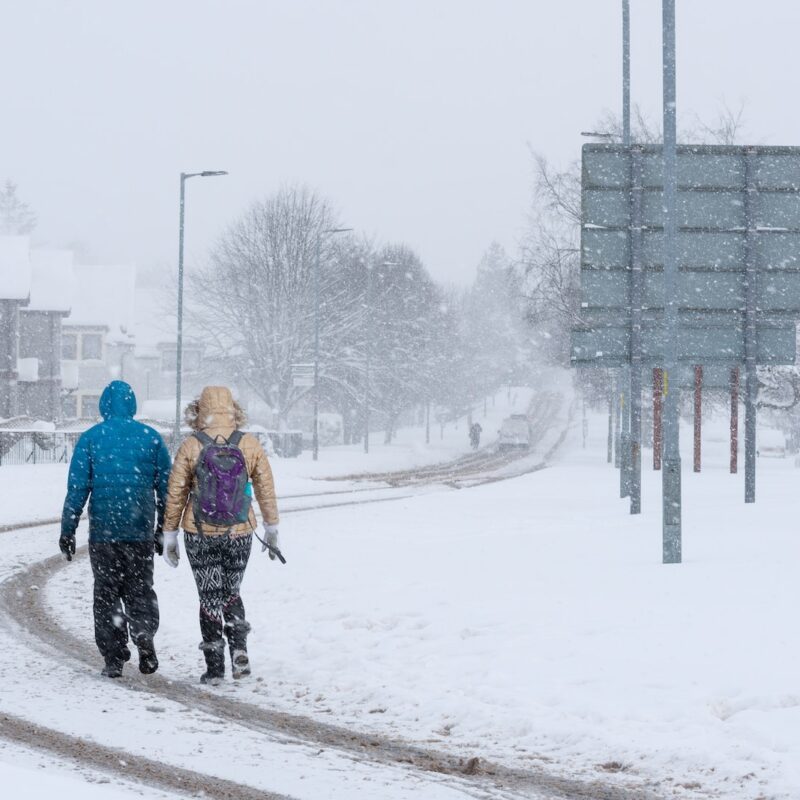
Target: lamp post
[
  {"x": 179, "y": 344},
  {"x": 316, "y": 336}
]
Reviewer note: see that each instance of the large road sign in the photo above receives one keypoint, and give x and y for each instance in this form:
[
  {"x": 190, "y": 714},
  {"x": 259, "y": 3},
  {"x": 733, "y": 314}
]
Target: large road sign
[{"x": 739, "y": 220}]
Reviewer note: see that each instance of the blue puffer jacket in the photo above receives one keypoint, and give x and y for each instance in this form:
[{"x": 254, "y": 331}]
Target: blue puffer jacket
[{"x": 124, "y": 466}]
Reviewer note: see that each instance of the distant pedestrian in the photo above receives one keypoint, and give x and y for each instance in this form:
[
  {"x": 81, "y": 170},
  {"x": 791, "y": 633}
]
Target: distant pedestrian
[
  {"x": 121, "y": 466},
  {"x": 217, "y": 470},
  {"x": 475, "y": 431}
]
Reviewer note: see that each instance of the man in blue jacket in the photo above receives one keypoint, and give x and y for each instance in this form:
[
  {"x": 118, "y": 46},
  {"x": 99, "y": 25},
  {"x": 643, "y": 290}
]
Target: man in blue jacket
[{"x": 122, "y": 467}]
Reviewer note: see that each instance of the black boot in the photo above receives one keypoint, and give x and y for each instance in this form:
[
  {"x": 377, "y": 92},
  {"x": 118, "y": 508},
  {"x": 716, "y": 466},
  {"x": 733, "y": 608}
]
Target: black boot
[
  {"x": 214, "y": 653},
  {"x": 113, "y": 668},
  {"x": 237, "y": 643},
  {"x": 148, "y": 662}
]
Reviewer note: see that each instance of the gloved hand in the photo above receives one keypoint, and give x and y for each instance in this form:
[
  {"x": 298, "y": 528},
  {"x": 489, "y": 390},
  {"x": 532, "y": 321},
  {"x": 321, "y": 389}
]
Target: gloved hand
[
  {"x": 158, "y": 540},
  {"x": 66, "y": 544},
  {"x": 271, "y": 539},
  {"x": 172, "y": 551}
]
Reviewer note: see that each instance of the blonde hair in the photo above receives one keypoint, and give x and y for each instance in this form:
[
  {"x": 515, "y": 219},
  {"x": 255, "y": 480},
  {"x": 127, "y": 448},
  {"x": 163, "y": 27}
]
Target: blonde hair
[{"x": 191, "y": 415}]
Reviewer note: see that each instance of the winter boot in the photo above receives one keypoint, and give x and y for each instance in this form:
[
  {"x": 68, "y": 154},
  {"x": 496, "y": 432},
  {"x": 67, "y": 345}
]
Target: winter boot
[
  {"x": 214, "y": 653},
  {"x": 113, "y": 668},
  {"x": 148, "y": 663},
  {"x": 237, "y": 643}
]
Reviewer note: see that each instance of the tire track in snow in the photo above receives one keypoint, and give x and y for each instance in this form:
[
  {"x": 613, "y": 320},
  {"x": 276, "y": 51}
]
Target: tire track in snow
[{"x": 136, "y": 769}]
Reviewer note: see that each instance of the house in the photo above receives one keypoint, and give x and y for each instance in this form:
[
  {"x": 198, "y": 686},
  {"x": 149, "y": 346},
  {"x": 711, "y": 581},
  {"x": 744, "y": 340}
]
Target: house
[
  {"x": 15, "y": 288},
  {"x": 97, "y": 340},
  {"x": 39, "y": 387},
  {"x": 154, "y": 375}
]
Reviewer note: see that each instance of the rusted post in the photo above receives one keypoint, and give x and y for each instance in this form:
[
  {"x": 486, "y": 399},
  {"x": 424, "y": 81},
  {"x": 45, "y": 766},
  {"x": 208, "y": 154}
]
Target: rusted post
[
  {"x": 698, "y": 415},
  {"x": 734, "y": 420},
  {"x": 658, "y": 399}
]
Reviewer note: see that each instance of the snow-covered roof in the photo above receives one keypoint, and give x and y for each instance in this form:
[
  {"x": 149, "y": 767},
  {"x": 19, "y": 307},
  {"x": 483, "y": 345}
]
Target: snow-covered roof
[
  {"x": 15, "y": 268},
  {"x": 105, "y": 295},
  {"x": 155, "y": 325},
  {"x": 52, "y": 280}
]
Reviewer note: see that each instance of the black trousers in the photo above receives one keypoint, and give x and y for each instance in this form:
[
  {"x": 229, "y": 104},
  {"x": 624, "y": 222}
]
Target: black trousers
[
  {"x": 124, "y": 598},
  {"x": 218, "y": 564}
]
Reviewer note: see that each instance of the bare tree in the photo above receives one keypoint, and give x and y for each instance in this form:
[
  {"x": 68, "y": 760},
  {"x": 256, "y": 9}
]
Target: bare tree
[{"x": 255, "y": 299}]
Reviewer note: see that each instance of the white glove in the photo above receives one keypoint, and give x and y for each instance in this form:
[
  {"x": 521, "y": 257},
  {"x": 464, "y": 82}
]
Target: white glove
[
  {"x": 271, "y": 539},
  {"x": 172, "y": 551}
]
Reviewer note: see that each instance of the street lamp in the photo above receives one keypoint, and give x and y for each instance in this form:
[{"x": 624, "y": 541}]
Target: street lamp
[
  {"x": 179, "y": 344},
  {"x": 368, "y": 348},
  {"x": 316, "y": 336}
]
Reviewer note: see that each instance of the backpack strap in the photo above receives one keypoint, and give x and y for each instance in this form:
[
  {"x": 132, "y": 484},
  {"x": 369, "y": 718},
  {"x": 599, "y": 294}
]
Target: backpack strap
[
  {"x": 203, "y": 438},
  {"x": 235, "y": 438}
]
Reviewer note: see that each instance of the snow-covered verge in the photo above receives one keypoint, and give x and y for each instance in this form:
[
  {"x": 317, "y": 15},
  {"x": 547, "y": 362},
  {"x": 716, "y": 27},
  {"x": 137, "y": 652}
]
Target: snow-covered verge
[{"x": 531, "y": 621}]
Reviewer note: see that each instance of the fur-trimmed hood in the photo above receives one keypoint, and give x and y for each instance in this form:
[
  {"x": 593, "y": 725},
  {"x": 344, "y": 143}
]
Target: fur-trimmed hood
[{"x": 215, "y": 408}]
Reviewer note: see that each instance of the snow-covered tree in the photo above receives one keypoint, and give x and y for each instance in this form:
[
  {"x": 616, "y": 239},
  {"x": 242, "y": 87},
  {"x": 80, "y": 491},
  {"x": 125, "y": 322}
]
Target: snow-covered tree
[{"x": 16, "y": 216}]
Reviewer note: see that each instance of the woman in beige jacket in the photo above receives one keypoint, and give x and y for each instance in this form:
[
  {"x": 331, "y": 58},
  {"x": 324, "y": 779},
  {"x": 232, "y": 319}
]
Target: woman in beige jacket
[{"x": 218, "y": 555}]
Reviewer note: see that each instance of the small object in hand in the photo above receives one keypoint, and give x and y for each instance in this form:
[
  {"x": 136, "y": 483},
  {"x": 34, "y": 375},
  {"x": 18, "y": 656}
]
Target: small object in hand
[
  {"x": 66, "y": 544},
  {"x": 274, "y": 552}
]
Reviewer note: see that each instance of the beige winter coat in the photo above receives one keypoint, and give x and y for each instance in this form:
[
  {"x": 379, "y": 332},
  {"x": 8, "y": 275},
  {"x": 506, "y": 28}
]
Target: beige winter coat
[{"x": 217, "y": 416}]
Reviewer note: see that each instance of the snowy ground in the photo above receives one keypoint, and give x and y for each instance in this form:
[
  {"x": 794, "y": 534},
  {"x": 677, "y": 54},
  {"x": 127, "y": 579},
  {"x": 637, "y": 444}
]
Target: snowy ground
[{"x": 528, "y": 621}]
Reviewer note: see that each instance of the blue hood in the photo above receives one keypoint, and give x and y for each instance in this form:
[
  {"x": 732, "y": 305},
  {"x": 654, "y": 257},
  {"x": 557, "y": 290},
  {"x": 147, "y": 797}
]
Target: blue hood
[{"x": 118, "y": 400}]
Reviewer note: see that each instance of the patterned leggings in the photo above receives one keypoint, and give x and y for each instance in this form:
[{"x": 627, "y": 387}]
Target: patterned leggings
[{"x": 218, "y": 564}]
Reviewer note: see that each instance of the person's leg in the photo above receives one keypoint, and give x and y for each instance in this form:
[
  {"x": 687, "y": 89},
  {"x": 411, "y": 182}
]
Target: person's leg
[
  {"x": 141, "y": 602},
  {"x": 236, "y": 554},
  {"x": 204, "y": 554},
  {"x": 110, "y": 625}
]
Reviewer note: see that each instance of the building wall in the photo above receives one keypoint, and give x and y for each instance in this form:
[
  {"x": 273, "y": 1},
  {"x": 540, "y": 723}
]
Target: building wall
[
  {"x": 40, "y": 338},
  {"x": 9, "y": 336}
]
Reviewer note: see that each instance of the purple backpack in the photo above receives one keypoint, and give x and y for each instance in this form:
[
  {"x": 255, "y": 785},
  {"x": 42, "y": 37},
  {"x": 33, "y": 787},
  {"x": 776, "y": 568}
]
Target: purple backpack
[{"x": 221, "y": 497}]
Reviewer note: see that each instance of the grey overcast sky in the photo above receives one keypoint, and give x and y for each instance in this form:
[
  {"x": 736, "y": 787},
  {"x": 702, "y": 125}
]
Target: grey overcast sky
[{"x": 413, "y": 116}]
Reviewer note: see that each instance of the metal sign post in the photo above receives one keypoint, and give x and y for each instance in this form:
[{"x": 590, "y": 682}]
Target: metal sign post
[
  {"x": 636, "y": 284},
  {"x": 658, "y": 403},
  {"x": 750, "y": 332},
  {"x": 698, "y": 416},
  {"x": 671, "y": 472},
  {"x": 617, "y": 416},
  {"x": 734, "y": 420},
  {"x": 610, "y": 442},
  {"x": 627, "y": 408}
]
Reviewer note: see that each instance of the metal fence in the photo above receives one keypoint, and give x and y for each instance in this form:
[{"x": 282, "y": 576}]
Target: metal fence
[
  {"x": 37, "y": 447},
  {"x": 55, "y": 447}
]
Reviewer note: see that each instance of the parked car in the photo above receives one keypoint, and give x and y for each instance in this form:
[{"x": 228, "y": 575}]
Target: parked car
[
  {"x": 770, "y": 443},
  {"x": 515, "y": 433}
]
